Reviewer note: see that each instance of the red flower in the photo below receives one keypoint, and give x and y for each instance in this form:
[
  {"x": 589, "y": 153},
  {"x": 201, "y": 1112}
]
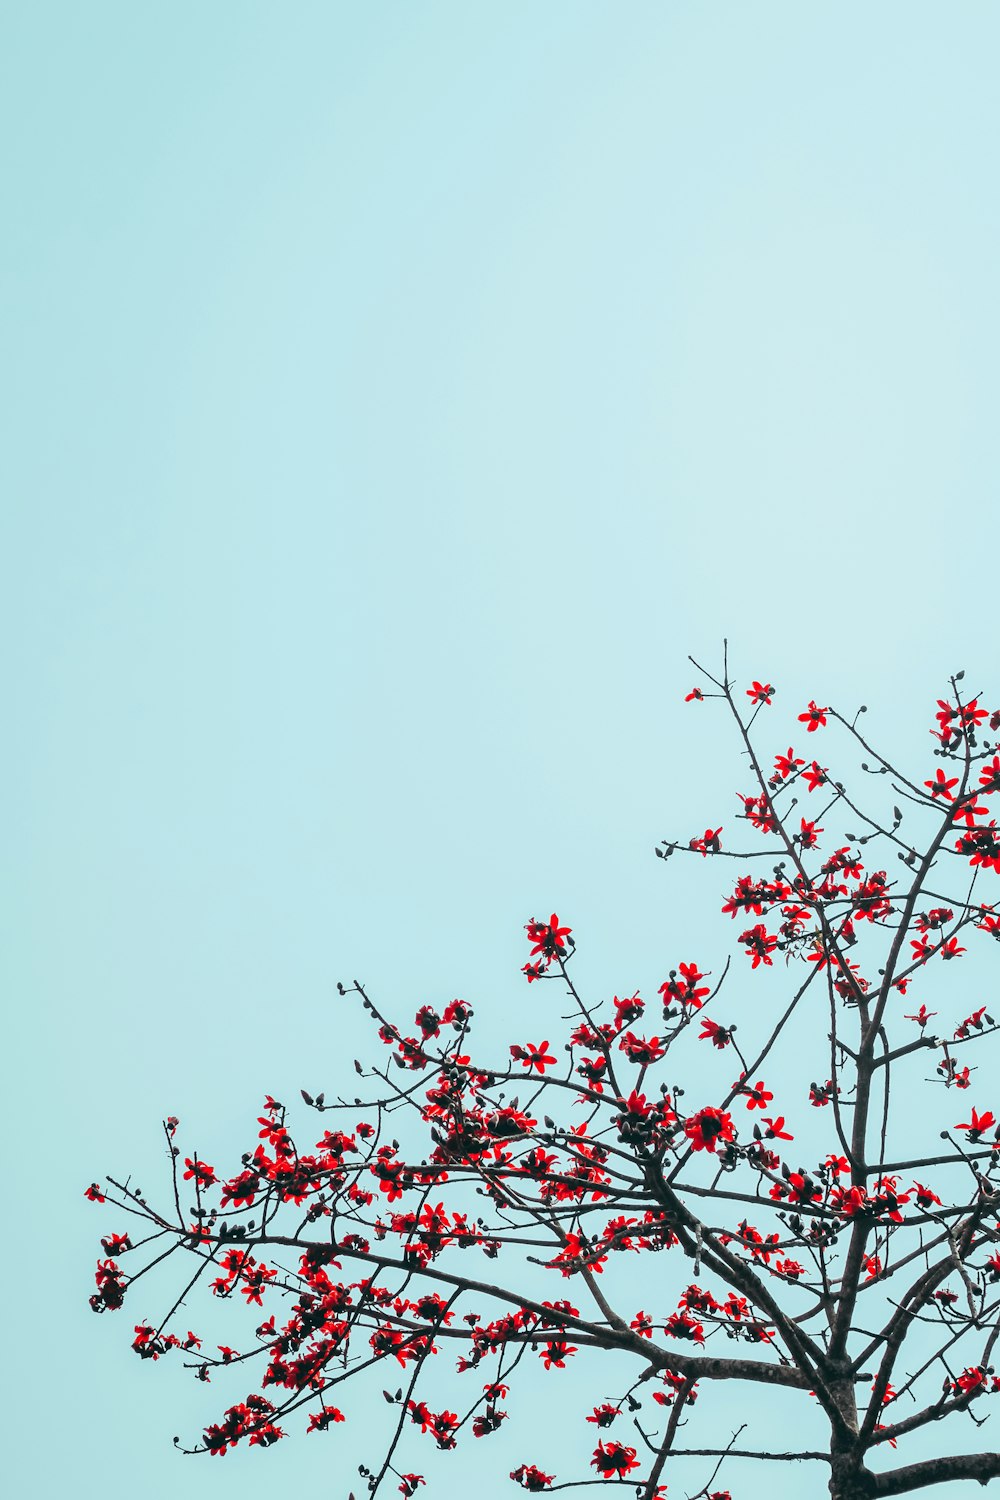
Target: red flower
[
  {"x": 319, "y": 1421},
  {"x": 263, "y": 1437},
  {"x": 989, "y": 775},
  {"x": 593, "y": 1068},
  {"x": 746, "y": 897},
  {"x": 530, "y": 1477},
  {"x": 556, "y": 1353},
  {"x": 976, "y": 1021},
  {"x": 111, "y": 1284},
  {"x": 978, "y": 1124},
  {"x": 691, "y": 974},
  {"x": 798, "y": 1188},
  {"x": 759, "y": 944},
  {"x": 636, "y": 1105},
  {"x": 921, "y": 949},
  {"x": 925, "y": 1197},
  {"x": 428, "y": 1020},
  {"x": 408, "y": 1484},
  {"x": 628, "y": 1008},
  {"x": 807, "y": 838},
  {"x": 535, "y": 1057},
  {"x": 970, "y": 811},
  {"x": 707, "y": 1127},
  {"x": 990, "y": 922},
  {"x": 759, "y": 812},
  {"x": 614, "y": 1458},
  {"x": 680, "y": 1325},
  {"x": 549, "y": 938},
  {"x": 696, "y": 694},
  {"x": 674, "y": 1383},
  {"x": 94, "y": 1194},
  {"x": 204, "y": 1174},
  {"x": 241, "y": 1190},
  {"x": 971, "y": 1382},
  {"x": 443, "y": 1425},
  {"x": 776, "y": 1129},
  {"x": 813, "y": 717},
  {"x": 699, "y": 1300},
  {"x": 686, "y": 990},
  {"x": 757, "y": 1096},
  {"x": 255, "y": 1281},
  {"x": 784, "y": 765},
  {"x": 604, "y": 1415},
  {"x": 850, "y": 1201},
  {"x": 644, "y": 1050},
  {"x": 922, "y": 1016},
  {"x": 761, "y": 692},
  {"x": 941, "y": 786},
  {"x": 719, "y": 1036},
  {"x": 456, "y": 1013},
  {"x": 488, "y": 1422},
  {"x": 815, "y": 776},
  {"x": 982, "y": 845}
]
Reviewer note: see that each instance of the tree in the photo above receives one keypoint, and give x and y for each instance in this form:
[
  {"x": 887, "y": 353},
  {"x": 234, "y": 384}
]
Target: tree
[{"x": 865, "y": 1282}]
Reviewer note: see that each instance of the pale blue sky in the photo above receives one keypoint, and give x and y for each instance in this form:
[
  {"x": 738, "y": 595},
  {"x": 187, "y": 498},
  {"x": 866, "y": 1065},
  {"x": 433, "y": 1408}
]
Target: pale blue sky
[{"x": 395, "y": 395}]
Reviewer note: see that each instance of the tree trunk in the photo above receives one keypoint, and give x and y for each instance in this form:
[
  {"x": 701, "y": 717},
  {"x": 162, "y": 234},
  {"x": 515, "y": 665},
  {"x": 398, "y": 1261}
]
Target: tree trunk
[{"x": 849, "y": 1479}]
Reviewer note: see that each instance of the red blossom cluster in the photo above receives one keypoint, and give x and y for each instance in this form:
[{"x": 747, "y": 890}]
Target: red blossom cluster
[{"x": 361, "y": 1244}]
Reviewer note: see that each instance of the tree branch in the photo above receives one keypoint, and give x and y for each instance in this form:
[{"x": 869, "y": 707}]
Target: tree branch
[{"x": 981, "y": 1467}]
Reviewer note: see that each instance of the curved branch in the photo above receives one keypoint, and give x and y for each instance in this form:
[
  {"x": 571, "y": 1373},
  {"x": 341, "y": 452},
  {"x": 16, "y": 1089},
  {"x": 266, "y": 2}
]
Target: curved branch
[{"x": 981, "y": 1467}]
